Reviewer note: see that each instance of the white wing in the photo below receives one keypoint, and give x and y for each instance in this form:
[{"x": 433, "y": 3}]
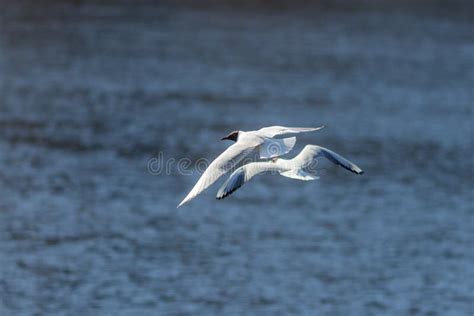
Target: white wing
[
  {"x": 243, "y": 175},
  {"x": 273, "y": 131},
  {"x": 223, "y": 163},
  {"x": 276, "y": 147},
  {"x": 311, "y": 152}
]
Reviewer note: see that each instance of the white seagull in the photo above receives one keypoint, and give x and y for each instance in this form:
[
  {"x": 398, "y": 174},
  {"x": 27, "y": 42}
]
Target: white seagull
[
  {"x": 245, "y": 143},
  {"x": 291, "y": 168}
]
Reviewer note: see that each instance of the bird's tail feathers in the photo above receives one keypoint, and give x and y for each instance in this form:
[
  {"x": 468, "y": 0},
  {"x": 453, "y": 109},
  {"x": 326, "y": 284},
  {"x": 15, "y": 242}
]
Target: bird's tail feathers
[{"x": 299, "y": 174}]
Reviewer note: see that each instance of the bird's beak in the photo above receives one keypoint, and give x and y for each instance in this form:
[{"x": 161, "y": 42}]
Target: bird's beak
[{"x": 224, "y": 138}]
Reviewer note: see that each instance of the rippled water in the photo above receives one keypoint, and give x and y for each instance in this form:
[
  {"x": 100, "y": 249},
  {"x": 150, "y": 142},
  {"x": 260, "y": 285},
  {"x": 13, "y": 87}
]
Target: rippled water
[{"x": 89, "y": 93}]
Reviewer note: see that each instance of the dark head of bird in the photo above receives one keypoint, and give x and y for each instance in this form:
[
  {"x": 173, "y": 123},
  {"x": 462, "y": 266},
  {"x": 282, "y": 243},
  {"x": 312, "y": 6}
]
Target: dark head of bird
[{"x": 232, "y": 136}]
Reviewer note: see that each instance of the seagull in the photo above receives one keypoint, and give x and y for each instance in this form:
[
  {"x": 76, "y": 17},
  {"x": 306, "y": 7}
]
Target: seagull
[
  {"x": 291, "y": 168},
  {"x": 261, "y": 140}
]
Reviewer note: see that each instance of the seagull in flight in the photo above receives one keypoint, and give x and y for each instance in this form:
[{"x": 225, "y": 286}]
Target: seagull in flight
[
  {"x": 261, "y": 140},
  {"x": 291, "y": 168}
]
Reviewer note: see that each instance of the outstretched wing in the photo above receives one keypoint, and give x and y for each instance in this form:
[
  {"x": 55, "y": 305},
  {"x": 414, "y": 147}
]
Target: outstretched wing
[
  {"x": 273, "y": 131},
  {"x": 312, "y": 152},
  {"x": 243, "y": 175},
  {"x": 223, "y": 163},
  {"x": 272, "y": 147}
]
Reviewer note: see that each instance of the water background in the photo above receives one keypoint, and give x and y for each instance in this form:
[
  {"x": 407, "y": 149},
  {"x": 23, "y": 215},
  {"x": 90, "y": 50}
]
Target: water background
[{"x": 91, "y": 91}]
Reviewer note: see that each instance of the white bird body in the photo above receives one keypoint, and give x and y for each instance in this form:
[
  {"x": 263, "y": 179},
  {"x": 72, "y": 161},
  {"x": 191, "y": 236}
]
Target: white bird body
[
  {"x": 291, "y": 168},
  {"x": 245, "y": 143}
]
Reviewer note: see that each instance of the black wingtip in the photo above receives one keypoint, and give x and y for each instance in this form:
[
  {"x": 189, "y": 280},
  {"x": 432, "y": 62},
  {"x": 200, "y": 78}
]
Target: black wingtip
[
  {"x": 235, "y": 181},
  {"x": 225, "y": 194}
]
